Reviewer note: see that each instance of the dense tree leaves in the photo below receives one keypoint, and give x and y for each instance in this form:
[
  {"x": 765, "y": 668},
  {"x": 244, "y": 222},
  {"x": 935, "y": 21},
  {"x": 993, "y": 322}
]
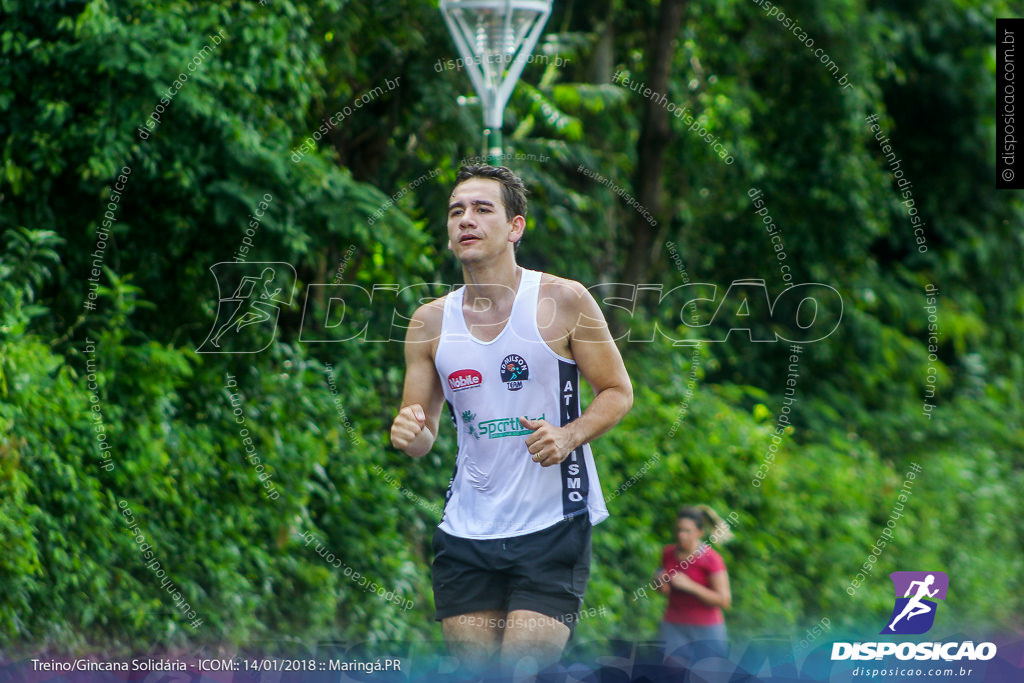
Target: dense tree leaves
[{"x": 140, "y": 139}]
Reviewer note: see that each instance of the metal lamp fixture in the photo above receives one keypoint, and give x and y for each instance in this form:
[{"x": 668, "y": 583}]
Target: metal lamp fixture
[{"x": 495, "y": 38}]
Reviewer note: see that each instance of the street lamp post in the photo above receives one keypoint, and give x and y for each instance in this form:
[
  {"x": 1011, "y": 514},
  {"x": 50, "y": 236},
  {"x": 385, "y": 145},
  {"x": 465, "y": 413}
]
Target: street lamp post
[{"x": 495, "y": 38}]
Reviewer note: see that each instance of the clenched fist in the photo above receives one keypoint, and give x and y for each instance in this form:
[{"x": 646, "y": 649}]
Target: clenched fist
[
  {"x": 549, "y": 445},
  {"x": 409, "y": 431}
]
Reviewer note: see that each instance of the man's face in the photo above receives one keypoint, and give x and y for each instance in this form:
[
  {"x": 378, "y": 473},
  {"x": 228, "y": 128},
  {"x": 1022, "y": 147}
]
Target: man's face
[{"x": 478, "y": 228}]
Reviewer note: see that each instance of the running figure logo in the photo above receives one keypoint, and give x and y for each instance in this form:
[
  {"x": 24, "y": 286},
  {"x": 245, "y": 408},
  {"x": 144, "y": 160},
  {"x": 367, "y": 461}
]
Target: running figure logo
[
  {"x": 514, "y": 371},
  {"x": 258, "y": 292},
  {"x": 914, "y": 612}
]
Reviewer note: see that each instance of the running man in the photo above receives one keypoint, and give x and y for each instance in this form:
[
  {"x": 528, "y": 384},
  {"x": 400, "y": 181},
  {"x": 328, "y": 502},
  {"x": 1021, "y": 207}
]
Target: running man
[
  {"x": 250, "y": 310},
  {"x": 914, "y": 606},
  {"x": 512, "y": 551}
]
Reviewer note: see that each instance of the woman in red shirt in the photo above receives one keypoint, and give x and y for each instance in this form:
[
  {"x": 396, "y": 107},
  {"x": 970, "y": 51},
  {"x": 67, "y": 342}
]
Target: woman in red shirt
[{"x": 693, "y": 576}]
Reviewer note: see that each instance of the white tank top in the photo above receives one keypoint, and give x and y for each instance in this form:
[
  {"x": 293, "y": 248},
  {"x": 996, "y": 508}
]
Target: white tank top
[{"x": 497, "y": 490}]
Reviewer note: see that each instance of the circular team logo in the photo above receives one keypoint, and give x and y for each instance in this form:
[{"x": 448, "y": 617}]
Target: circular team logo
[{"x": 514, "y": 371}]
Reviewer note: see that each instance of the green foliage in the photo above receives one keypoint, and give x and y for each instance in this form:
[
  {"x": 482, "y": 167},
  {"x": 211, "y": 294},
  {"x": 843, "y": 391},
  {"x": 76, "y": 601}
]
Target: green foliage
[{"x": 78, "y": 84}]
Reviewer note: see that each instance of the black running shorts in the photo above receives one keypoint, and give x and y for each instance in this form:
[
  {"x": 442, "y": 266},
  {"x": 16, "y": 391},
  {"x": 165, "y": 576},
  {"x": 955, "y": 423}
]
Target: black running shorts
[{"x": 546, "y": 571}]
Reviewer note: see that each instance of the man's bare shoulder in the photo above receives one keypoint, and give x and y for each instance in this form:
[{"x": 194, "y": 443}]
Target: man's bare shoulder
[
  {"x": 426, "y": 320},
  {"x": 562, "y": 290},
  {"x": 576, "y": 311}
]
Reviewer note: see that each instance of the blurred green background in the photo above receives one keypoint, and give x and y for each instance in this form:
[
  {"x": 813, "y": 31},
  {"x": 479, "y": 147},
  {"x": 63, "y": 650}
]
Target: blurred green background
[{"x": 77, "y": 81}]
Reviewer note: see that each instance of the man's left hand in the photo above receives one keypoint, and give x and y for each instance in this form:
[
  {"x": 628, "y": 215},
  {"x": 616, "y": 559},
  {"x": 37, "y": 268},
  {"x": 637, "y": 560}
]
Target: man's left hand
[{"x": 549, "y": 445}]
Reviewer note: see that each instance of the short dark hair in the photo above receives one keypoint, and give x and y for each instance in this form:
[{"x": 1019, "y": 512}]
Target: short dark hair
[{"x": 513, "y": 191}]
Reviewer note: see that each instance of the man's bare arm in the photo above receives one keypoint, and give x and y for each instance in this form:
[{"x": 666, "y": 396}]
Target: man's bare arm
[
  {"x": 600, "y": 363},
  {"x": 415, "y": 427}
]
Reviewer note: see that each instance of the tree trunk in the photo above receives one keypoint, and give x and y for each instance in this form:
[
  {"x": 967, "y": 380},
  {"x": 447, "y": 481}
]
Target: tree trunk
[{"x": 653, "y": 142}]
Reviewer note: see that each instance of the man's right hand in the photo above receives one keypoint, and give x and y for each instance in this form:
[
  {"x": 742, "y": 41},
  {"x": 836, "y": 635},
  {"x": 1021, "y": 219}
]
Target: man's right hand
[{"x": 409, "y": 431}]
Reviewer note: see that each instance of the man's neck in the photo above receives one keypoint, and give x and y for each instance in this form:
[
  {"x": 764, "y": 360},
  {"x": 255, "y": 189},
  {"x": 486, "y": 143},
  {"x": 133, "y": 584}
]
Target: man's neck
[{"x": 491, "y": 285}]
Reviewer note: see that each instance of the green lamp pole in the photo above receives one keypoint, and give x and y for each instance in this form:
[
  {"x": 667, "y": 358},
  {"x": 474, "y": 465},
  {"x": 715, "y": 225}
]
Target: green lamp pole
[{"x": 494, "y": 39}]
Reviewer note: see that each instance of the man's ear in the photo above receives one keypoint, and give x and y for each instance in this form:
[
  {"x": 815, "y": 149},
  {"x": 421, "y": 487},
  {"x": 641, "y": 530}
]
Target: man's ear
[
  {"x": 518, "y": 228},
  {"x": 449, "y": 245}
]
